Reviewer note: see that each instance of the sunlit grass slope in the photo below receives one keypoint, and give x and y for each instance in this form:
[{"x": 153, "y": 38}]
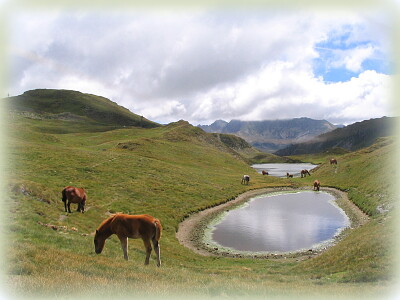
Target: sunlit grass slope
[
  {"x": 368, "y": 176},
  {"x": 169, "y": 172},
  {"x": 67, "y": 105}
]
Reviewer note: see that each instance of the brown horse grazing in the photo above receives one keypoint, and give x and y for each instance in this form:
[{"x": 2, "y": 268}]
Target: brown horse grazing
[
  {"x": 74, "y": 195},
  {"x": 289, "y": 175},
  {"x": 264, "y": 172},
  {"x": 304, "y": 173},
  {"x": 245, "y": 179},
  {"x": 130, "y": 226},
  {"x": 333, "y": 161},
  {"x": 317, "y": 185}
]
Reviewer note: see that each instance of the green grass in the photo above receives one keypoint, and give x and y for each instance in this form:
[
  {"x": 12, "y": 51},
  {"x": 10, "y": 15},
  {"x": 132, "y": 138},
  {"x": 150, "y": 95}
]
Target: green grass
[
  {"x": 367, "y": 175},
  {"x": 171, "y": 172},
  {"x": 45, "y": 104}
]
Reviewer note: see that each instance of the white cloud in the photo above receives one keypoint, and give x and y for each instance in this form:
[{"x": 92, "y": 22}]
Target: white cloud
[
  {"x": 352, "y": 59},
  {"x": 164, "y": 110},
  {"x": 201, "y": 66},
  {"x": 280, "y": 91}
]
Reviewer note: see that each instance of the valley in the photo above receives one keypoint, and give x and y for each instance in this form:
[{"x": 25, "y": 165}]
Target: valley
[{"x": 172, "y": 172}]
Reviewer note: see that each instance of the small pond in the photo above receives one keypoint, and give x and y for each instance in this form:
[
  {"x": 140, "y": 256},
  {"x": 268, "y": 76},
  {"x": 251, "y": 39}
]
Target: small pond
[
  {"x": 280, "y": 223},
  {"x": 280, "y": 170}
]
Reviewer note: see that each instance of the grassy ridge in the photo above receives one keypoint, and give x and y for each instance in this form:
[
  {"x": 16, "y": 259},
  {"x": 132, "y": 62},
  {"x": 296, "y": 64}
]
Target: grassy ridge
[
  {"x": 170, "y": 172},
  {"x": 352, "y": 137},
  {"x": 66, "y": 104}
]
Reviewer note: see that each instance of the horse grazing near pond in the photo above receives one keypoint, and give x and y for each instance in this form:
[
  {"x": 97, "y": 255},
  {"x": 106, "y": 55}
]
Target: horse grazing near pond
[
  {"x": 304, "y": 173},
  {"x": 264, "y": 172},
  {"x": 289, "y": 175},
  {"x": 72, "y": 194},
  {"x": 333, "y": 161},
  {"x": 317, "y": 185},
  {"x": 245, "y": 179},
  {"x": 125, "y": 226}
]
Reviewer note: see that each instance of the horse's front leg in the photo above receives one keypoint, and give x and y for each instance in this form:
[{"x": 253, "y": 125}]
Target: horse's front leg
[
  {"x": 124, "y": 245},
  {"x": 65, "y": 206},
  {"x": 69, "y": 207},
  {"x": 147, "y": 245}
]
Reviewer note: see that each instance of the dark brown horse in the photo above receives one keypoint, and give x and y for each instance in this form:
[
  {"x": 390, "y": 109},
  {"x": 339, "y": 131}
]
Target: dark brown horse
[
  {"x": 317, "y": 185},
  {"x": 245, "y": 179},
  {"x": 333, "y": 161},
  {"x": 72, "y": 194},
  {"x": 264, "y": 172},
  {"x": 124, "y": 226},
  {"x": 304, "y": 173},
  {"x": 289, "y": 175}
]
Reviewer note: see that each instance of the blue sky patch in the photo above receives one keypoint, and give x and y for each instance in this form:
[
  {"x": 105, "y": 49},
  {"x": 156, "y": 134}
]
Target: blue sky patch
[{"x": 341, "y": 58}]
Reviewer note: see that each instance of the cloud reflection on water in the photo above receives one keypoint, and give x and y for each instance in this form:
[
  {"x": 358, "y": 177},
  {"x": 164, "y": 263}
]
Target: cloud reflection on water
[{"x": 285, "y": 222}]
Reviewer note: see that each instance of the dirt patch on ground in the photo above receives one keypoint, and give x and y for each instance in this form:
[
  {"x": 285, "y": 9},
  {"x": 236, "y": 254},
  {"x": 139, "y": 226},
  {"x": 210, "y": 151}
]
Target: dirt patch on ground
[{"x": 191, "y": 231}]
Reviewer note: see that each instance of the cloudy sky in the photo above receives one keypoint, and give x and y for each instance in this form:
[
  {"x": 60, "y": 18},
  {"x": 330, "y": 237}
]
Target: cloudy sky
[{"x": 205, "y": 64}]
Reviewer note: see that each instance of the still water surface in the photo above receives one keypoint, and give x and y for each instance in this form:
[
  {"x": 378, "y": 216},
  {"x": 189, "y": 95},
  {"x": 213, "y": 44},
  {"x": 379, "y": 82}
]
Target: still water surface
[
  {"x": 281, "y": 223},
  {"x": 280, "y": 170}
]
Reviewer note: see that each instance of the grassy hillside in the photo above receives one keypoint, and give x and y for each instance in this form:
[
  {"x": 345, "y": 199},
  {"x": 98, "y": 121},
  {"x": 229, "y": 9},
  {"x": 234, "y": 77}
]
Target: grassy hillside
[
  {"x": 171, "y": 172},
  {"x": 71, "y": 105},
  {"x": 351, "y": 138},
  {"x": 319, "y": 158},
  {"x": 368, "y": 176},
  {"x": 247, "y": 152}
]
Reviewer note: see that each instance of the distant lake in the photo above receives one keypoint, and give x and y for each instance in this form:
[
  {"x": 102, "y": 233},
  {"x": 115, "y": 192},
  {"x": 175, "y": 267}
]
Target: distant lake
[
  {"x": 280, "y": 170},
  {"x": 281, "y": 222}
]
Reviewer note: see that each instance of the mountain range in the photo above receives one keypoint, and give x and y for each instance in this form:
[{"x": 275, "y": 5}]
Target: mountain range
[
  {"x": 67, "y": 111},
  {"x": 272, "y": 135},
  {"x": 351, "y": 138},
  {"x": 281, "y": 137}
]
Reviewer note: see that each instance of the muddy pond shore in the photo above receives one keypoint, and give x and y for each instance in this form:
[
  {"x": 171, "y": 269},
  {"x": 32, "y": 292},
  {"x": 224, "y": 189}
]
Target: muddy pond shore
[{"x": 191, "y": 231}]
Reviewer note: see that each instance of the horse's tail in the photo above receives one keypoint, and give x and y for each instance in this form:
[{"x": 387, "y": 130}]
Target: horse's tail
[
  {"x": 157, "y": 224},
  {"x": 64, "y": 195}
]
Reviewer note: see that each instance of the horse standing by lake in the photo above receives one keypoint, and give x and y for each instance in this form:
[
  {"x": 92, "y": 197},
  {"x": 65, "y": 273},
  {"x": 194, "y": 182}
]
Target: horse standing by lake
[
  {"x": 264, "y": 172},
  {"x": 304, "y": 173},
  {"x": 289, "y": 175},
  {"x": 317, "y": 185},
  {"x": 125, "y": 226},
  {"x": 245, "y": 179},
  {"x": 72, "y": 194},
  {"x": 333, "y": 161}
]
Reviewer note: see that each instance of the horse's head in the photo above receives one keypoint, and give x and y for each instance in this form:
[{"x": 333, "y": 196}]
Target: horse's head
[{"x": 98, "y": 242}]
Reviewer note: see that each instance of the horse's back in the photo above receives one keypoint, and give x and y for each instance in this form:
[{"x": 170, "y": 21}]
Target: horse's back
[
  {"x": 74, "y": 193},
  {"x": 135, "y": 226}
]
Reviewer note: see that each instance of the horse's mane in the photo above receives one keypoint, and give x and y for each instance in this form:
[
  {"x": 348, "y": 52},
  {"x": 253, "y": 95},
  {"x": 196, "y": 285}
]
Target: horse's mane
[{"x": 108, "y": 220}]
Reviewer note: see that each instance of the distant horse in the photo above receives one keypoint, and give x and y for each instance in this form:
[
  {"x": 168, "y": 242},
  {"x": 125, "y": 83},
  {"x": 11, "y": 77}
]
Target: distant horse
[
  {"x": 304, "y": 173},
  {"x": 289, "y": 175},
  {"x": 317, "y": 185},
  {"x": 74, "y": 195},
  {"x": 124, "y": 226},
  {"x": 245, "y": 179},
  {"x": 333, "y": 161},
  {"x": 264, "y": 172}
]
